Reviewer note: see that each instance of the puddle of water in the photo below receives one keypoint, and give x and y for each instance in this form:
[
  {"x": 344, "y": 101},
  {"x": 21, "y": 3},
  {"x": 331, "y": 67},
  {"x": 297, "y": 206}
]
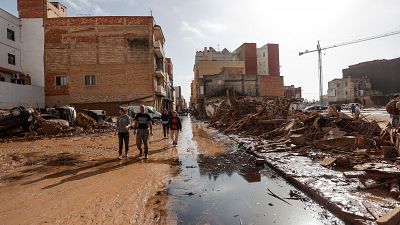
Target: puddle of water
[{"x": 228, "y": 189}]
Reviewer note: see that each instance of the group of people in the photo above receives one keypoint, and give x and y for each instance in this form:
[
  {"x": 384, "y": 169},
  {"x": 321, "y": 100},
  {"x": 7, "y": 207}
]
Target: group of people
[
  {"x": 355, "y": 110},
  {"x": 143, "y": 128}
]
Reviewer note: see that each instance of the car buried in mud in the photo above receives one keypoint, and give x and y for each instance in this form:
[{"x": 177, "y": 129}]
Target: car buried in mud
[{"x": 18, "y": 120}]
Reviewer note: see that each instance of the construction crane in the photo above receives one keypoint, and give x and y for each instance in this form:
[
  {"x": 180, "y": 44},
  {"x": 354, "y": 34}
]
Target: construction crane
[{"x": 320, "y": 49}]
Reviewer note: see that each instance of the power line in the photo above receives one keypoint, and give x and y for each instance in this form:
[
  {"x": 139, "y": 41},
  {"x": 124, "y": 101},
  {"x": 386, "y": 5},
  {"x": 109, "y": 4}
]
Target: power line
[{"x": 320, "y": 49}]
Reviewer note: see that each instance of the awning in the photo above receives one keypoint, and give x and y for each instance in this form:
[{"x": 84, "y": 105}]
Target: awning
[{"x": 5, "y": 70}]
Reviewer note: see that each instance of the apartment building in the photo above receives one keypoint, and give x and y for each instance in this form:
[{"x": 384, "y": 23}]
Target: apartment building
[
  {"x": 21, "y": 62},
  {"x": 101, "y": 62},
  {"x": 347, "y": 90},
  {"x": 248, "y": 71}
]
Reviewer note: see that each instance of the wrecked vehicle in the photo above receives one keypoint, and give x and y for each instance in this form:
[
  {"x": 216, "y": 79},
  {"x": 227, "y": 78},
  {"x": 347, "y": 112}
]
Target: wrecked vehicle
[
  {"x": 316, "y": 108},
  {"x": 19, "y": 119},
  {"x": 98, "y": 115},
  {"x": 67, "y": 113}
]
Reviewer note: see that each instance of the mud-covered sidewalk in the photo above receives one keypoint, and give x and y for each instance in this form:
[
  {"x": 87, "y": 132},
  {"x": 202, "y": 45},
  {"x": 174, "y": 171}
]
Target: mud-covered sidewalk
[{"x": 78, "y": 180}]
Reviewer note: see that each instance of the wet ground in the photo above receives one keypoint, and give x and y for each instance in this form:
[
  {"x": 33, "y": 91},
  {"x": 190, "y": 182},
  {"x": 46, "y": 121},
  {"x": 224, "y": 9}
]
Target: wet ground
[
  {"x": 218, "y": 183},
  {"x": 78, "y": 180}
]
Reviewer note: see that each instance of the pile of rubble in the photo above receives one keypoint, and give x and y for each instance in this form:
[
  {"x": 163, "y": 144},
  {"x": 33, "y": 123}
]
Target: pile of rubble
[
  {"x": 336, "y": 140},
  {"x": 29, "y": 124}
]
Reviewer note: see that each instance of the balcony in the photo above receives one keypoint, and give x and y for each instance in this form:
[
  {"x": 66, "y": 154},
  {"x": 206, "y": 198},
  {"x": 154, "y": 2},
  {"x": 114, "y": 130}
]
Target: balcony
[
  {"x": 159, "y": 49},
  {"x": 160, "y": 73},
  {"x": 160, "y": 91}
]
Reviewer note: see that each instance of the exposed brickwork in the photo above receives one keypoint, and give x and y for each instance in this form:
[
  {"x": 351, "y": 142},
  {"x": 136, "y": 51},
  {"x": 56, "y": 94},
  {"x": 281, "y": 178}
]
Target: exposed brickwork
[
  {"x": 32, "y": 8},
  {"x": 250, "y": 58},
  {"x": 271, "y": 86},
  {"x": 273, "y": 60},
  {"x": 51, "y": 88},
  {"x": 117, "y": 50}
]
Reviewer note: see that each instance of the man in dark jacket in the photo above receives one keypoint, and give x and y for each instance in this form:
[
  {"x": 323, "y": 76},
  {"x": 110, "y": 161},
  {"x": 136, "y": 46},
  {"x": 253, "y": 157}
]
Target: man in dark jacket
[
  {"x": 164, "y": 120},
  {"x": 142, "y": 125},
  {"x": 123, "y": 124},
  {"x": 175, "y": 126}
]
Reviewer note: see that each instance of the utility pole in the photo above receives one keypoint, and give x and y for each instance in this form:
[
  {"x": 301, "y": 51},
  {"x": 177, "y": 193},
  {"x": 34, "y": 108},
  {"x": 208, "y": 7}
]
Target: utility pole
[{"x": 321, "y": 89}]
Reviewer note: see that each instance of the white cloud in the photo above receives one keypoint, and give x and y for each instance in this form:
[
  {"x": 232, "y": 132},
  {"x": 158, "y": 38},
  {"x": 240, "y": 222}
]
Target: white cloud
[
  {"x": 213, "y": 27},
  {"x": 186, "y": 27},
  {"x": 87, "y": 7}
]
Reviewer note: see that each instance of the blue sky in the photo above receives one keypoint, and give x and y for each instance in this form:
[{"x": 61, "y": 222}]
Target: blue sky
[{"x": 190, "y": 25}]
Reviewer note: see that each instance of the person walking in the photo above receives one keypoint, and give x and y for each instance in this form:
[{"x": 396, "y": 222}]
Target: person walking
[
  {"x": 123, "y": 124},
  {"x": 175, "y": 126},
  {"x": 164, "y": 120},
  {"x": 353, "y": 109},
  {"x": 142, "y": 125},
  {"x": 357, "y": 112}
]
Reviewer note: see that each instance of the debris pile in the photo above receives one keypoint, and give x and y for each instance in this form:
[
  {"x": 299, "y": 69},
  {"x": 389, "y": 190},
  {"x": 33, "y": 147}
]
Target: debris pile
[
  {"x": 85, "y": 121},
  {"x": 335, "y": 140},
  {"x": 28, "y": 124}
]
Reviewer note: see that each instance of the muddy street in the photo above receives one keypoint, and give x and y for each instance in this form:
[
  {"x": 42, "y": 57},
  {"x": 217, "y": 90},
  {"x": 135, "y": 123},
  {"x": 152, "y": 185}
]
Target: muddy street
[
  {"x": 78, "y": 180},
  {"x": 218, "y": 183}
]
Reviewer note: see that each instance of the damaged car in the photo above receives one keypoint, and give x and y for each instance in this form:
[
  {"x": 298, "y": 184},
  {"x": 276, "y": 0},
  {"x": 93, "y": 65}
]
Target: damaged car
[{"x": 18, "y": 120}]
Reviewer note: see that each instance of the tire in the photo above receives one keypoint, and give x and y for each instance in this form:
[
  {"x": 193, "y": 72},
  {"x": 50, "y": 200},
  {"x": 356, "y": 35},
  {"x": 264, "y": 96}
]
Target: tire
[{"x": 16, "y": 111}]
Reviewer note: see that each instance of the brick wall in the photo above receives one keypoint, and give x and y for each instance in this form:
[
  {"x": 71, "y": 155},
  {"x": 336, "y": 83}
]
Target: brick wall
[
  {"x": 32, "y": 8},
  {"x": 271, "y": 86},
  {"x": 250, "y": 58},
  {"x": 273, "y": 60},
  {"x": 247, "y": 52},
  {"x": 117, "y": 50}
]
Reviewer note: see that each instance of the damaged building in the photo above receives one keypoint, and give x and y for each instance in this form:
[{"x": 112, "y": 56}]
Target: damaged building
[
  {"x": 371, "y": 83},
  {"x": 248, "y": 70},
  {"x": 101, "y": 62}
]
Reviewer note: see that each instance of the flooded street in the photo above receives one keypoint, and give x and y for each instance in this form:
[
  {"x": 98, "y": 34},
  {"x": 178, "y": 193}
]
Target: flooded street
[{"x": 218, "y": 183}]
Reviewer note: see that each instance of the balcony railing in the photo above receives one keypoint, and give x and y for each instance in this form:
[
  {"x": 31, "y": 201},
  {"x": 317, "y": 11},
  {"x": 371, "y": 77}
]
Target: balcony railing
[
  {"x": 158, "y": 49},
  {"x": 160, "y": 90}
]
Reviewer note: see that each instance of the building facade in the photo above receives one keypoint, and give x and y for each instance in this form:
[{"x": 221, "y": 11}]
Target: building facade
[
  {"x": 101, "y": 62},
  {"x": 21, "y": 61},
  {"x": 348, "y": 90},
  {"x": 383, "y": 74},
  {"x": 215, "y": 71},
  {"x": 292, "y": 92}
]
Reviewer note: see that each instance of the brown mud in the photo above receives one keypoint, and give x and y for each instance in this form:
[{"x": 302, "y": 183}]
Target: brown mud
[{"x": 78, "y": 180}]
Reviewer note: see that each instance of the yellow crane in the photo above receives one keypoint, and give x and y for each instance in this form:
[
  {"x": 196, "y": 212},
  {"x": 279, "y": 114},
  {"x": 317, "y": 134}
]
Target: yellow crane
[{"x": 320, "y": 49}]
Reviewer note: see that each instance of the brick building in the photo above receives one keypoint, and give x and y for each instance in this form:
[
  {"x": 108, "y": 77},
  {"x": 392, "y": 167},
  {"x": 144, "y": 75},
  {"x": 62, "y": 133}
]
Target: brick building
[
  {"x": 247, "y": 71},
  {"x": 292, "y": 92},
  {"x": 101, "y": 62}
]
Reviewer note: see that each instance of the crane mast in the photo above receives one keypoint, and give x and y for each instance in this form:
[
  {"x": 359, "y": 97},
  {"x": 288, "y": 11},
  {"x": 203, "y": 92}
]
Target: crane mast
[{"x": 320, "y": 49}]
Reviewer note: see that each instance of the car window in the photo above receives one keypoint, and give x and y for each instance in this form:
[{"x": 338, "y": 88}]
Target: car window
[{"x": 149, "y": 111}]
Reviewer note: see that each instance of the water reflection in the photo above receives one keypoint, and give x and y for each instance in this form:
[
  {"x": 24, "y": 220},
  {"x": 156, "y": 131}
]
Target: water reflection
[{"x": 227, "y": 188}]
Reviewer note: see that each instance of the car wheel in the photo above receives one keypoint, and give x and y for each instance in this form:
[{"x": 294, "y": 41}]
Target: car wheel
[{"x": 16, "y": 111}]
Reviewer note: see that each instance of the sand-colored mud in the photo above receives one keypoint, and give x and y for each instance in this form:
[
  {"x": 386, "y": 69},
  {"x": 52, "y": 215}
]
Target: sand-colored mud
[{"x": 79, "y": 181}]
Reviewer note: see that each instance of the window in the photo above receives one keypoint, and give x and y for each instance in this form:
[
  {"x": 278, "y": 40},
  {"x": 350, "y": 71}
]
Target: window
[
  {"x": 61, "y": 81},
  {"x": 11, "y": 59},
  {"x": 2, "y": 79},
  {"x": 10, "y": 35},
  {"x": 90, "y": 80}
]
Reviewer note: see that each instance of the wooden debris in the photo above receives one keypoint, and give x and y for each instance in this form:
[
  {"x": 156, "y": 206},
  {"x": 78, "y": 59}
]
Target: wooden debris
[{"x": 390, "y": 218}]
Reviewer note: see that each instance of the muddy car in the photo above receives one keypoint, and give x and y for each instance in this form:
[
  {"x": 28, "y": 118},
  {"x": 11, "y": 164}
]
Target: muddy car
[
  {"x": 67, "y": 113},
  {"x": 18, "y": 120}
]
